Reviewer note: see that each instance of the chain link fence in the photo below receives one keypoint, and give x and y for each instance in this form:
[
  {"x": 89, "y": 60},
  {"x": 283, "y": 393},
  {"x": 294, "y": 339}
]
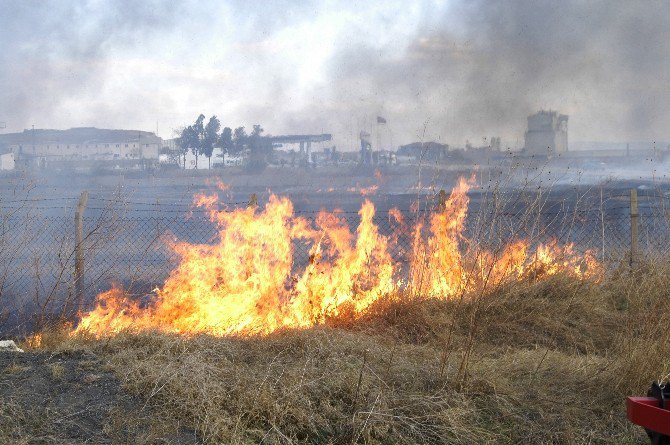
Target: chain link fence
[{"x": 38, "y": 253}]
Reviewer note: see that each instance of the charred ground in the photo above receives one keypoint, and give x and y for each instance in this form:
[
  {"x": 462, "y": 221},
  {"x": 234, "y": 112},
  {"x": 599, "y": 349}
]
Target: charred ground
[{"x": 72, "y": 396}]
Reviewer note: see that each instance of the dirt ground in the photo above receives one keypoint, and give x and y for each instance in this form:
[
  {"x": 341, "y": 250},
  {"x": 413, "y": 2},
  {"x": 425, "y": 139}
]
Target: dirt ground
[{"x": 73, "y": 398}]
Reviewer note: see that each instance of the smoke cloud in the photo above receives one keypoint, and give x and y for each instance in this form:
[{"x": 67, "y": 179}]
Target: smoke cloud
[
  {"x": 436, "y": 71},
  {"x": 479, "y": 68},
  {"x": 56, "y": 56}
]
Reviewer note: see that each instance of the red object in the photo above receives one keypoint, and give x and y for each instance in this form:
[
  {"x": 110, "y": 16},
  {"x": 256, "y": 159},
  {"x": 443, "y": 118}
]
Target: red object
[{"x": 646, "y": 412}]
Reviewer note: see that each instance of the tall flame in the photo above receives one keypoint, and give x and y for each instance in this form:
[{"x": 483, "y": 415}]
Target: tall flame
[{"x": 248, "y": 282}]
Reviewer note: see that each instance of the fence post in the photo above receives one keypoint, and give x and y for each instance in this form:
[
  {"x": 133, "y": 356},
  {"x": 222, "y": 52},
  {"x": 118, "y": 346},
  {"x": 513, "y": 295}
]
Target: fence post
[
  {"x": 441, "y": 200},
  {"x": 253, "y": 200},
  {"x": 79, "y": 250},
  {"x": 634, "y": 215}
]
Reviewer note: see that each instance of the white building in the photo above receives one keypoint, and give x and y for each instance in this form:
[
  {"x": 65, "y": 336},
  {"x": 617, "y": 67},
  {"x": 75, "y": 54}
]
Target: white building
[
  {"x": 547, "y": 134},
  {"x": 41, "y": 147},
  {"x": 202, "y": 162},
  {"x": 234, "y": 161},
  {"x": 7, "y": 161}
]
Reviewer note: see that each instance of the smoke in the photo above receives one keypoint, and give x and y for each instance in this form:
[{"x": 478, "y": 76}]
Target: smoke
[
  {"x": 57, "y": 55},
  {"x": 479, "y": 68},
  {"x": 448, "y": 72}
]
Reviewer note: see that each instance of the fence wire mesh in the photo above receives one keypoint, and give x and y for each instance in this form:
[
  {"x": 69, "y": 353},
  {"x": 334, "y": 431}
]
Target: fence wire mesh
[{"x": 37, "y": 252}]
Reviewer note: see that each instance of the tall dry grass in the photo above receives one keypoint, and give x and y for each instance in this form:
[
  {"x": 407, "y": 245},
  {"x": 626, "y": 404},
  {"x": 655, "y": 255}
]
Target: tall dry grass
[{"x": 550, "y": 361}]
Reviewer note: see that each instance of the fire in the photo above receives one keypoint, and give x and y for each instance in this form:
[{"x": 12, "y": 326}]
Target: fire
[
  {"x": 364, "y": 191},
  {"x": 248, "y": 281}
]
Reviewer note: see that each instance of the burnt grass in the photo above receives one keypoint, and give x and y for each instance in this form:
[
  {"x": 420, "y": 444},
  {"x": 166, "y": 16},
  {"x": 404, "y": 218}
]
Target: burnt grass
[{"x": 72, "y": 397}]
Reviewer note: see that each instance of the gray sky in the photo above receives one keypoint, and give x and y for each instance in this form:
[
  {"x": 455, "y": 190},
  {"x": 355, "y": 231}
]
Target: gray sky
[{"x": 437, "y": 70}]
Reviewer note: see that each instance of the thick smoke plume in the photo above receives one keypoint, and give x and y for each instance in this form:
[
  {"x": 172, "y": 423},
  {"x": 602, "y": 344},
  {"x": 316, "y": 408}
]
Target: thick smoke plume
[
  {"x": 479, "y": 68},
  {"x": 452, "y": 72}
]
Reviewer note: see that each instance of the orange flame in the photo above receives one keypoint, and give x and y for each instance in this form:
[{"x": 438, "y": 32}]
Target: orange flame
[
  {"x": 247, "y": 282},
  {"x": 364, "y": 191}
]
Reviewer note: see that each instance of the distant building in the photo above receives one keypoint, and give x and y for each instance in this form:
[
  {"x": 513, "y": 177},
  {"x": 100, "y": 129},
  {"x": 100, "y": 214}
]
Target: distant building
[
  {"x": 6, "y": 158},
  {"x": 44, "y": 147},
  {"x": 303, "y": 143},
  {"x": 547, "y": 134},
  {"x": 234, "y": 161},
  {"x": 424, "y": 151},
  {"x": 171, "y": 144},
  {"x": 7, "y": 161}
]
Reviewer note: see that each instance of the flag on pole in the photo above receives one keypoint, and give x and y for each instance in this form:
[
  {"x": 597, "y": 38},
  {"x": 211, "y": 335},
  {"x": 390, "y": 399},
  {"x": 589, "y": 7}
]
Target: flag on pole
[{"x": 381, "y": 120}]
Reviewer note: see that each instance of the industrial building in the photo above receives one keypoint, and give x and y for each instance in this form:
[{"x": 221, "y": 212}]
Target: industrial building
[
  {"x": 547, "y": 134},
  {"x": 77, "y": 147}
]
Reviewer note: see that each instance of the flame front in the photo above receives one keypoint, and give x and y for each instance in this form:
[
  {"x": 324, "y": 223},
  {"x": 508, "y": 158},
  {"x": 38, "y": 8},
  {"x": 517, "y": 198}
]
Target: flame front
[{"x": 248, "y": 282}]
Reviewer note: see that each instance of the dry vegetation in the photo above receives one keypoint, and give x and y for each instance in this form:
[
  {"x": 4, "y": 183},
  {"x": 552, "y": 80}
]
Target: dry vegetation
[{"x": 546, "y": 362}]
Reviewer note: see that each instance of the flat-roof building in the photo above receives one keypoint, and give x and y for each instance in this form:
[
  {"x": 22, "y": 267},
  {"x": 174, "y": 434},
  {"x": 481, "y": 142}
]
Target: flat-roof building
[
  {"x": 40, "y": 147},
  {"x": 547, "y": 134}
]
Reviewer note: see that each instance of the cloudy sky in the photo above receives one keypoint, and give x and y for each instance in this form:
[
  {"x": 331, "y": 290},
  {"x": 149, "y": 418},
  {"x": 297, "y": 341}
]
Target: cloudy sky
[{"x": 437, "y": 70}]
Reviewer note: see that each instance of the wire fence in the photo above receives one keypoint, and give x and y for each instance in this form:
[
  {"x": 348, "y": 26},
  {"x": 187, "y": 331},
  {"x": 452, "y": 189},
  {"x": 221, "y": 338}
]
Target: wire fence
[{"x": 38, "y": 253}]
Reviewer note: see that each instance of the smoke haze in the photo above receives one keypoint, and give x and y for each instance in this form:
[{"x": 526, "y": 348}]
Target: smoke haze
[{"x": 446, "y": 71}]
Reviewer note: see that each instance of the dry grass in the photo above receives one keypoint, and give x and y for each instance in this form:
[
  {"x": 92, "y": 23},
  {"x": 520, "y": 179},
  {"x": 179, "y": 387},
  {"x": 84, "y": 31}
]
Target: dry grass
[
  {"x": 15, "y": 369},
  {"x": 57, "y": 371},
  {"x": 546, "y": 362},
  {"x": 19, "y": 426}
]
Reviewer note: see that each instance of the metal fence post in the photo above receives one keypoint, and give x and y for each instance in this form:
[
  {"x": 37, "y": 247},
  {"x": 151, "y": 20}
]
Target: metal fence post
[
  {"x": 79, "y": 250},
  {"x": 634, "y": 215}
]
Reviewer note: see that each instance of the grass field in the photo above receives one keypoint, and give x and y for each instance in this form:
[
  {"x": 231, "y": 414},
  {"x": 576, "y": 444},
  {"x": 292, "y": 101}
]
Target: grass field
[{"x": 533, "y": 362}]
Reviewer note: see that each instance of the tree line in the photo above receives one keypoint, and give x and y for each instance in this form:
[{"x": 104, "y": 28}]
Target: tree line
[{"x": 202, "y": 139}]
